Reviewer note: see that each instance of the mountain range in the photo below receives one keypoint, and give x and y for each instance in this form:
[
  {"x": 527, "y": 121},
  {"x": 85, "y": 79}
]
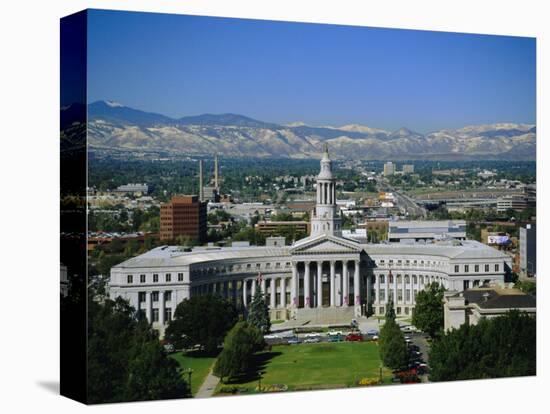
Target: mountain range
[{"x": 115, "y": 126}]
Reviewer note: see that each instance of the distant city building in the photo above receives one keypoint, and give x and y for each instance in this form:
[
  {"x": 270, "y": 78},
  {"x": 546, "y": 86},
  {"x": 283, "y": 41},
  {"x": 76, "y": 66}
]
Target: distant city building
[
  {"x": 528, "y": 249},
  {"x": 408, "y": 169},
  {"x": 389, "y": 169},
  {"x": 356, "y": 234},
  {"x": 426, "y": 230},
  {"x": 270, "y": 227},
  {"x": 211, "y": 194},
  {"x": 517, "y": 202},
  {"x": 474, "y": 304},
  {"x": 183, "y": 216},
  {"x": 132, "y": 188},
  {"x": 486, "y": 174},
  {"x": 275, "y": 241},
  {"x": 495, "y": 238}
]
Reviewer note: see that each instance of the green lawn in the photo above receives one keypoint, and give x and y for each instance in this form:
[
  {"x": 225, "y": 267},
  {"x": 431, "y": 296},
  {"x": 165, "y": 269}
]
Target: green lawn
[
  {"x": 315, "y": 366},
  {"x": 199, "y": 364}
]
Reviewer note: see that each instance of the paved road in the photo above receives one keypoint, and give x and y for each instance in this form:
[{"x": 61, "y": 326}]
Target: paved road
[{"x": 208, "y": 386}]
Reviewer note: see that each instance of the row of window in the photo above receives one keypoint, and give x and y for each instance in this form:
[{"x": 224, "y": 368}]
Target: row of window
[
  {"x": 398, "y": 310},
  {"x": 155, "y": 296},
  {"x": 423, "y": 279},
  {"x": 232, "y": 268},
  {"x": 155, "y": 312},
  {"x": 382, "y": 295},
  {"x": 408, "y": 262},
  {"x": 143, "y": 278},
  {"x": 476, "y": 268}
]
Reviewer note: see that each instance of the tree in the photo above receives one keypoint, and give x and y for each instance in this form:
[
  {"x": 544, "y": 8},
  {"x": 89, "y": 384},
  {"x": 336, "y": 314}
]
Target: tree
[
  {"x": 240, "y": 344},
  {"x": 500, "y": 347},
  {"x": 125, "y": 359},
  {"x": 201, "y": 320},
  {"x": 428, "y": 312},
  {"x": 258, "y": 314},
  {"x": 392, "y": 348}
]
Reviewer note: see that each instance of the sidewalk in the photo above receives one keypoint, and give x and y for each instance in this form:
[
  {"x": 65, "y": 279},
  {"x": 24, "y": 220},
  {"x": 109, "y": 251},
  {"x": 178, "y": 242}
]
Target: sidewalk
[{"x": 208, "y": 386}]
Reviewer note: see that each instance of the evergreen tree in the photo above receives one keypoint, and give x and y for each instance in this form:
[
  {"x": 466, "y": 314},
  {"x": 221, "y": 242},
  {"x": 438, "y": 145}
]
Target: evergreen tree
[
  {"x": 428, "y": 311},
  {"x": 500, "y": 347},
  {"x": 125, "y": 359},
  {"x": 240, "y": 344},
  {"x": 390, "y": 311},
  {"x": 392, "y": 346},
  {"x": 258, "y": 314}
]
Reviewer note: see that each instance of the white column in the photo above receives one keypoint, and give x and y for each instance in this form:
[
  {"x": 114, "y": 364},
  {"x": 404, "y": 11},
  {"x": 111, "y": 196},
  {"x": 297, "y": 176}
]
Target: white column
[
  {"x": 161, "y": 307},
  {"x": 319, "y": 284},
  {"x": 345, "y": 283},
  {"x": 253, "y": 292},
  {"x": 307, "y": 287},
  {"x": 332, "y": 284},
  {"x": 294, "y": 285},
  {"x": 148, "y": 306},
  {"x": 245, "y": 293},
  {"x": 356, "y": 282},
  {"x": 273, "y": 292},
  {"x": 263, "y": 285},
  {"x": 378, "y": 289},
  {"x": 338, "y": 289},
  {"x": 403, "y": 291},
  {"x": 283, "y": 292}
]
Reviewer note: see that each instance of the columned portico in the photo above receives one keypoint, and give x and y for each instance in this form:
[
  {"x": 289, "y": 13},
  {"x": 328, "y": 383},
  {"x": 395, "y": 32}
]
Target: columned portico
[
  {"x": 319, "y": 283},
  {"x": 307, "y": 287}
]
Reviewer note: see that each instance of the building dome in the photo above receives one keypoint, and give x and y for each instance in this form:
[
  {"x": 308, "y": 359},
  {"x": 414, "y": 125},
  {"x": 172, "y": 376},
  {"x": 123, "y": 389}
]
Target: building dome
[{"x": 326, "y": 166}]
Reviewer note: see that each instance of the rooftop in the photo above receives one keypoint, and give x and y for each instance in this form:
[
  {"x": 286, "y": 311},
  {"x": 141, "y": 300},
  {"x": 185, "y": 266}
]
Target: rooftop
[{"x": 499, "y": 298}]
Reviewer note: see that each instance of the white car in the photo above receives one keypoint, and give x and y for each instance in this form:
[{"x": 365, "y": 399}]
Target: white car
[
  {"x": 334, "y": 333},
  {"x": 311, "y": 340},
  {"x": 312, "y": 335},
  {"x": 271, "y": 336}
]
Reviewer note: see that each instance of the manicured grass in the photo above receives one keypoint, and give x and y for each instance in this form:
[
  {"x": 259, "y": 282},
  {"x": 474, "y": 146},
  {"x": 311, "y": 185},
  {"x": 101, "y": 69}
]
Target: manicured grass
[
  {"x": 315, "y": 366},
  {"x": 198, "y": 363},
  {"x": 277, "y": 321}
]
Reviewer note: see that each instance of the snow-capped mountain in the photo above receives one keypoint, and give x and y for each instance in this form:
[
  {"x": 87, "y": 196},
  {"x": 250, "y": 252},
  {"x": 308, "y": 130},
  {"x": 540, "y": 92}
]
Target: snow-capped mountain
[{"x": 115, "y": 126}]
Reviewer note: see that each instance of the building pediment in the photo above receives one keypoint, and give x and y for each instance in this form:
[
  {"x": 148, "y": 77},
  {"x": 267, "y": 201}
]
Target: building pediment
[{"x": 325, "y": 244}]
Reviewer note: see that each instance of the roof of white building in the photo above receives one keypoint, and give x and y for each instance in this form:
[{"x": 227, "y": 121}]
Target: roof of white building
[{"x": 173, "y": 255}]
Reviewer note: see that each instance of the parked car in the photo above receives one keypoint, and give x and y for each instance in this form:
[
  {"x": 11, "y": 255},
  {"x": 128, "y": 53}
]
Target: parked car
[
  {"x": 169, "y": 348},
  {"x": 335, "y": 338},
  {"x": 372, "y": 332},
  {"x": 354, "y": 337},
  {"x": 293, "y": 341},
  {"x": 311, "y": 340},
  {"x": 313, "y": 335},
  {"x": 334, "y": 333},
  {"x": 271, "y": 336}
]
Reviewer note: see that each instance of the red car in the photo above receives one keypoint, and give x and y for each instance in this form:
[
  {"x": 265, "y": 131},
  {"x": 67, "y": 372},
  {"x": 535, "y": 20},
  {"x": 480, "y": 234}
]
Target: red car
[{"x": 354, "y": 337}]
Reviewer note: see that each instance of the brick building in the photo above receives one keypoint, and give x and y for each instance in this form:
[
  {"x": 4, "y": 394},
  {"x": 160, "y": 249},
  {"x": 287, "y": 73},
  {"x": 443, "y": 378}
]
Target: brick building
[{"x": 183, "y": 216}]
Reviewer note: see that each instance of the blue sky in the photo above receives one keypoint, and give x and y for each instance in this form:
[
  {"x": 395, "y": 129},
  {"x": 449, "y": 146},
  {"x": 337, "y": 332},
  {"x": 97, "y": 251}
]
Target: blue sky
[{"x": 319, "y": 74}]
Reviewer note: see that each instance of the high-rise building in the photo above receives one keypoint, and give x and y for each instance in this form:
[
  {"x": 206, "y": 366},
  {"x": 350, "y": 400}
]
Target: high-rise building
[
  {"x": 408, "y": 169},
  {"x": 528, "y": 249},
  {"x": 183, "y": 216},
  {"x": 389, "y": 169}
]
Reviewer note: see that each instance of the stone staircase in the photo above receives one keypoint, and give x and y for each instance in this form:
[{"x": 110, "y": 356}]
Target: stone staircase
[{"x": 325, "y": 316}]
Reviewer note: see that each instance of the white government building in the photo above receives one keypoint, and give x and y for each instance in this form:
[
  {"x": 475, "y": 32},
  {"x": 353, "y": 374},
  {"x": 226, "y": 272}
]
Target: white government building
[{"x": 322, "y": 278}]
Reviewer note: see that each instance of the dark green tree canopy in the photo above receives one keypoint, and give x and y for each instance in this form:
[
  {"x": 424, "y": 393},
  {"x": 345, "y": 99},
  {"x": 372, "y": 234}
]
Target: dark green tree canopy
[
  {"x": 201, "y": 320},
  {"x": 240, "y": 344},
  {"x": 428, "y": 311},
  {"x": 392, "y": 345},
  {"x": 500, "y": 347},
  {"x": 125, "y": 359}
]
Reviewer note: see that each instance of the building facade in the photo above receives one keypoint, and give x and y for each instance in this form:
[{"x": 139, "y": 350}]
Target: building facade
[
  {"x": 528, "y": 249},
  {"x": 183, "y": 216},
  {"x": 320, "y": 278},
  {"x": 426, "y": 230}
]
